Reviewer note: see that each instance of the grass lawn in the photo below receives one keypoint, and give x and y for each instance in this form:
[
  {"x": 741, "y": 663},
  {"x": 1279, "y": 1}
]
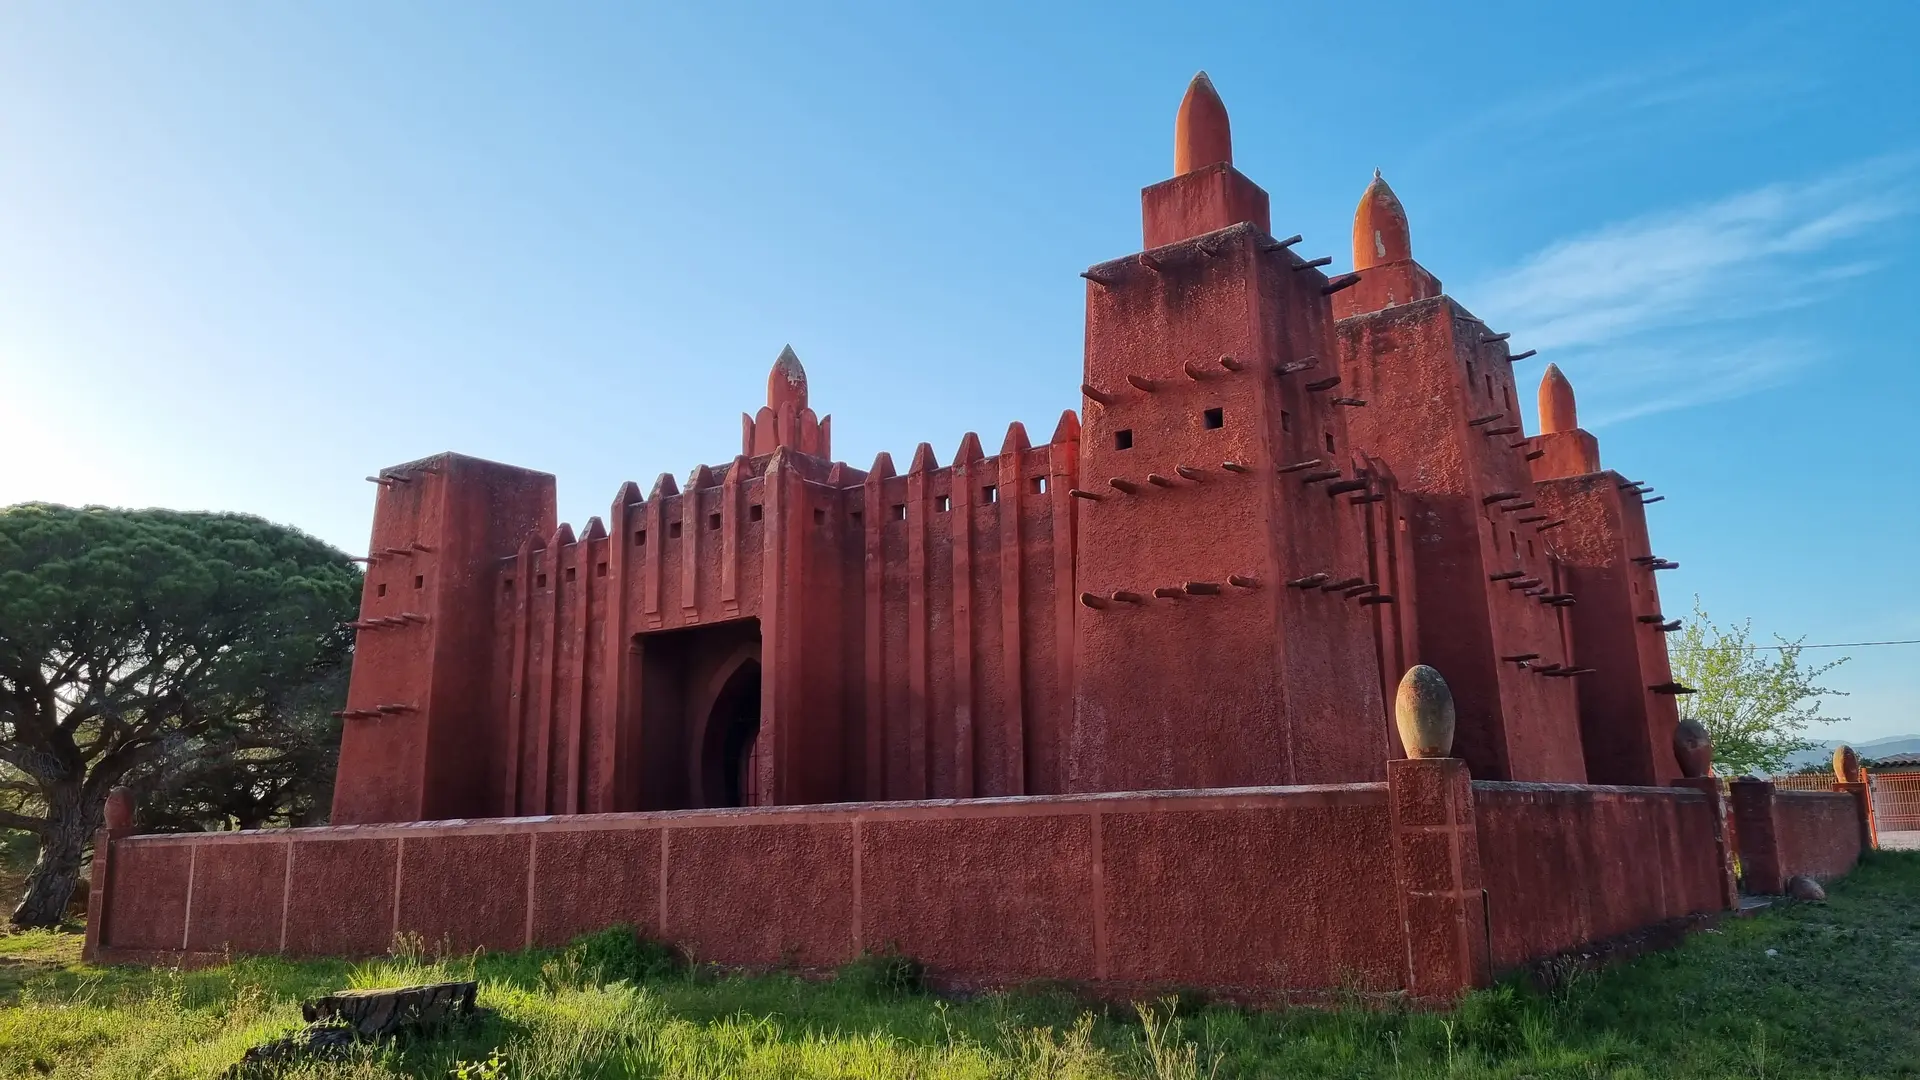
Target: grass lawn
[{"x": 1827, "y": 990}]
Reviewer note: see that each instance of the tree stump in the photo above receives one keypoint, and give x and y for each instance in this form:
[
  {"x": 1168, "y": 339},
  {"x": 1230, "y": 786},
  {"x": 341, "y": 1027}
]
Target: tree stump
[{"x": 378, "y": 1014}]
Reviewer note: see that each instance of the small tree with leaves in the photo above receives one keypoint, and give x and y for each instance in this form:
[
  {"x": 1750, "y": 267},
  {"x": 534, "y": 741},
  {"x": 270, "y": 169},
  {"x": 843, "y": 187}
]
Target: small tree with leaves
[
  {"x": 135, "y": 642},
  {"x": 1755, "y": 700}
]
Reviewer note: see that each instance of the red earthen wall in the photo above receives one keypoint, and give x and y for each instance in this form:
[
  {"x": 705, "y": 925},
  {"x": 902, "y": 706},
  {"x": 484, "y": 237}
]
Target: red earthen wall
[
  {"x": 1783, "y": 833},
  {"x": 1566, "y": 865},
  {"x": 1441, "y": 412},
  {"x": 1263, "y": 890}
]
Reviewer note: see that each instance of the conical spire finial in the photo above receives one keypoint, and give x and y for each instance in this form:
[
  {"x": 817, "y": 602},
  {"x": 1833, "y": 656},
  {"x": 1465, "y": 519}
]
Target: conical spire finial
[
  {"x": 787, "y": 382},
  {"x": 1556, "y": 402},
  {"x": 1380, "y": 233},
  {"x": 1201, "y": 135}
]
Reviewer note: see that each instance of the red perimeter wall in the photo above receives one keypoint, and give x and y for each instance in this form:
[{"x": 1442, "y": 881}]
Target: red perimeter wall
[
  {"x": 1783, "y": 833},
  {"x": 1255, "y": 891},
  {"x": 1565, "y": 865}
]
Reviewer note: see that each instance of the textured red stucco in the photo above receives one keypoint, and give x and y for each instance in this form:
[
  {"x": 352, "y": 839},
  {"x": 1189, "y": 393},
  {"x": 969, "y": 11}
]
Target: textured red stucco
[
  {"x": 1783, "y": 833},
  {"x": 1565, "y": 865}
]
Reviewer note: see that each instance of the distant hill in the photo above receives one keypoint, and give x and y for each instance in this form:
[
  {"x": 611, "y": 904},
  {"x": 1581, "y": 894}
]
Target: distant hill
[{"x": 1822, "y": 753}]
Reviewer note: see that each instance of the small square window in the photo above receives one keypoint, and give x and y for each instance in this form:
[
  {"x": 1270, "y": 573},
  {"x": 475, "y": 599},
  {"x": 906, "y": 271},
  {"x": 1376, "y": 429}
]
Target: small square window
[
  {"x": 819, "y": 516},
  {"x": 1214, "y": 418},
  {"x": 379, "y": 590},
  {"x": 673, "y": 530},
  {"x": 540, "y": 581},
  {"x": 942, "y": 503},
  {"x": 755, "y": 512},
  {"x": 854, "y": 516},
  {"x": 1329, "y": 442},
  {"x": 1039, "y": 485},
  {"x": 639, "y": 537},
  {"x": 1123, "y": 439},
  {"x": 899, "y": 511},
  {"x": 419, "y": 581},
  {"x": 600, "y": 570},
  {"x": 990, "y": 494},
  {"x": 507, "y": 586},
  {"x": 570, "y": 573},
  {"x": 713, "y": 522},
  {"x": 1286, "y": 420}
]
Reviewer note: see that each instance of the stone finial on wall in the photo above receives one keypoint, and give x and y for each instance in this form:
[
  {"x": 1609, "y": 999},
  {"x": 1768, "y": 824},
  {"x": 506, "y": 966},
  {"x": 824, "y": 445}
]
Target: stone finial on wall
[
  {"x": 1423, "y": 711},
  {"x": 1846, "y": 765},
  {"x": 120, "y": 808},
  {"x": 1693, "y": 748},
  {"x": 1201, "y": 134}
]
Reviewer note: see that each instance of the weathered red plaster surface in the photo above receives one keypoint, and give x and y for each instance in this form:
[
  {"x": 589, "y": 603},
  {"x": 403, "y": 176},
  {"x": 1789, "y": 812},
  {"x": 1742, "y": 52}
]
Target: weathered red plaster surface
[
  {"x": 1566, "y": 865},
  {"x": 1783, "y": 833}
]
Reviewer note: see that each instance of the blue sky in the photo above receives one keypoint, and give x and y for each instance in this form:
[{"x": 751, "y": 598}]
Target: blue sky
[{"x": 252, "y": 253}]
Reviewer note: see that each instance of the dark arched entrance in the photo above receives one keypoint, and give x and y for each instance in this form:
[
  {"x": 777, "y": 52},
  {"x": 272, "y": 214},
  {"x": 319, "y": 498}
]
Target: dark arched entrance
[{"x": 728, "y": 758}]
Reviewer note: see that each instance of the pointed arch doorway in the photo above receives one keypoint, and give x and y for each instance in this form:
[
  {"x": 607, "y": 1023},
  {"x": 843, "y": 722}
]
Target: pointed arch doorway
[{"x": 730, "y": 740}]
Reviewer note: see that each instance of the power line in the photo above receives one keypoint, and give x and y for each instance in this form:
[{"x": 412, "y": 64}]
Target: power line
[{"x": 1833, "y": 645}]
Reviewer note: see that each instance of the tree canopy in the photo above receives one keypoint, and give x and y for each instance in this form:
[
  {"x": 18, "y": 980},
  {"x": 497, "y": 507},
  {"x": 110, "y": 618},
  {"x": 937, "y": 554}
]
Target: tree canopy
[
  {"x": 1755, "y": 700},
  {"x": 134, "y": 643}
]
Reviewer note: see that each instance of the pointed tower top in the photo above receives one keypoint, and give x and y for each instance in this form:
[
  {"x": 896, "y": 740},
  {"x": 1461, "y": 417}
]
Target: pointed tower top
[
  {"x": 1201, "y": 136},
  {"x": 1556, "y": 402},
  {"x": 1380, "y": 234},
  {"x": 787, "y": 382}
]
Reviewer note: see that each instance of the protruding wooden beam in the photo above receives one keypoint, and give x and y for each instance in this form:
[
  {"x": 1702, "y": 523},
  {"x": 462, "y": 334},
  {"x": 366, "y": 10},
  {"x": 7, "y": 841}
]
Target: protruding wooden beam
[
  {"x": 1103, "y": 280},
  {"x": 1121, "y": 484},
  {"x": 1195, "y": 370},
  {"x": 1189, "y": 472},
  {"x": 1296, "y": 365},
  {"x": 1235, "y": 467},
  {"x": 1324, "y": 260},
  {"x": 1301, "y": 466},
  {"x": 1356, "y": 484},
  {"x": 1671, "y": 688},
  {"x": 1550, "y": 525},
  {"x": 1499, "y": 496},
  {"x": 1148, "y": 261},
  {"x": 1490, "y": 338},
  {"x": 1143, "y": 384},
  {"x": 1517, "y": 357},
  {"x": 1521, "y": 658},
  {"x": 1092, "y": 394},
  {"x": 1157, "y": 480},
  {"x": 1523, "y": 583},
  {"x": 1507, "y": 575},
  {"x": 1350, "y": 401},
  {"x": 1483, "y": 421},
  {"x": 1523, "y": 504},
  {"x": 1361, "y": 590},
  {"x": 1126, "y": 597},
  {"x": 1088, "y": 495},
  {"x": 1344, "y": 281},
  {"x": 1231, "y": 364},
  {"x": 1168, "y": 592},
  {"x": 1327, "y": 383},
  {"x": 1202, "y": 588},
  {"x": 1655, "y": 499},
  {"x": 1092, "y": 601},
  {"x": 1308, "y": 582},
  {"x": 1242, "y": 581},
  {"x": 1320, "y": 476},
  {"x": 1282, "y": 245},
  {"x": 1342, "y": 585},
  {"x": 1505, "y": 429}
]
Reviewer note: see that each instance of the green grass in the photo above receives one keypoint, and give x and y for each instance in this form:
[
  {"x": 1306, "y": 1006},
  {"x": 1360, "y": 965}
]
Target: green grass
[{"x": 1837, "y": 999}]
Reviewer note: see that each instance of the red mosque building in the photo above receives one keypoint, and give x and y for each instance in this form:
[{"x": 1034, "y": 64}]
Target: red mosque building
[
  {"x": 1112, "y": 708},
  {"x": 1282, "y": 491}
]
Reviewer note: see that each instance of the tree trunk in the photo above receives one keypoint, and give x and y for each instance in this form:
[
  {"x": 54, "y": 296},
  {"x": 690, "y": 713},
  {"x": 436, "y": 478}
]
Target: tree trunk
[{"x": 70, "y": 823}]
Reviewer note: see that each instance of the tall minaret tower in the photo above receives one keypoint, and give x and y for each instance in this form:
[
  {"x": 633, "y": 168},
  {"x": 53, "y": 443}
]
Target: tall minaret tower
[
  {"x": 1441, "y": 411},
  {"x": 1225, "y": 633},
  {"x": 1618, "y": 632}
]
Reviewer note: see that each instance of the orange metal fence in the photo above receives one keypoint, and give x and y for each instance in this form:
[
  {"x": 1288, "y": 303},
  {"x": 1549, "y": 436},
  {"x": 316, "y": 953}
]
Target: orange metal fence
[{"x": 1896, "y": 801}]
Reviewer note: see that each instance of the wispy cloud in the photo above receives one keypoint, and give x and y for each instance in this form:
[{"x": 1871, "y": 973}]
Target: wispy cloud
[{"x": 1682, "y": 307}]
